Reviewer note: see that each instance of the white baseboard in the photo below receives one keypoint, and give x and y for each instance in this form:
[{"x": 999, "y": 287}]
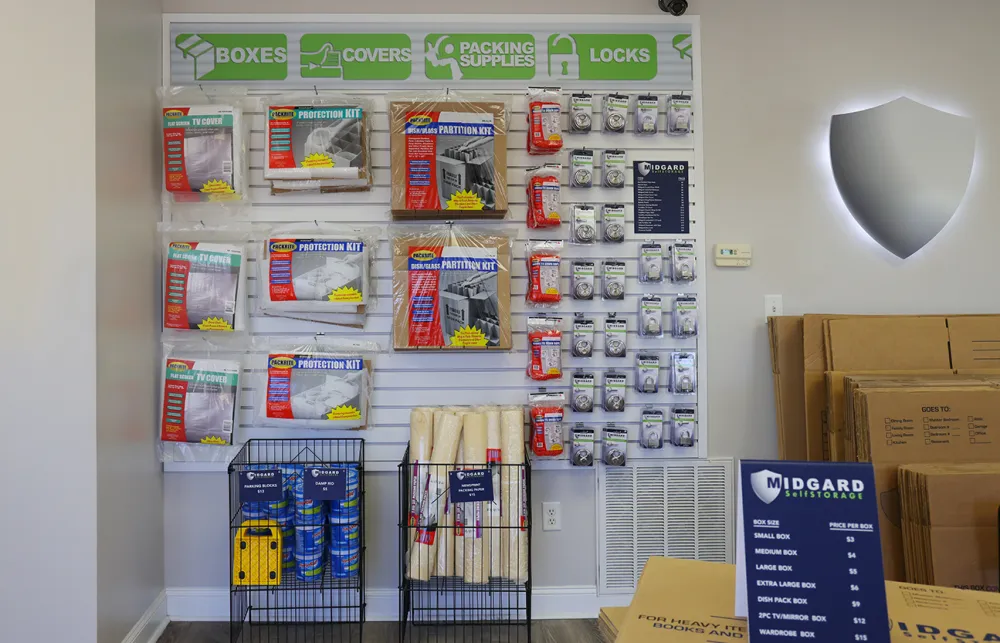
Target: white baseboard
[
  {"x": 581, "y": 601},
  {"x": 152, "y": 623}
]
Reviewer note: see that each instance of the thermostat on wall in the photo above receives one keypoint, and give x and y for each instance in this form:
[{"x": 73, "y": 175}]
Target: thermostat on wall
[{"x": 733, "y": 255}]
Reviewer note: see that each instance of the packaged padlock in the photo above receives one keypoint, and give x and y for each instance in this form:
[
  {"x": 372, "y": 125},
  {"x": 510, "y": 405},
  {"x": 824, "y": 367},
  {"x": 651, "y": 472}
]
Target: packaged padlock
[
  {"x": 581, "y": 113},
  {"x": 545, "y": 348},
  {"x": 615, "y": 113},
  {"x": 582, "y": 398},
  {"x": 682, "y": 263},
  {"x": 651, "y": 262},
  {"x": 582, "y": 447},
  {"x": 583, "y": 337},
  {"x": 544, "y": 120},
  {"x": 614, "y": 280},
  {"x": 584, "y": 224},
  {"x": 614, "y": 169},
  {"x": 547, "y": 411},
  {"x": 683, "y": 373},
  {"x": 543, "y": 259},
  {"x": 651, "y": 429},
  {"x": 615, "y": 385},
  {"x": 581, "y": 168},
  {"x": 678, "y": 115},
  {"x": 651, "y": 316},
  {"x": 685, "y": 319},
  {"x": 615, "y": 442},
  {"x": 682, "y": 428},
  {"x": 542, "y": 189},
  {"x": 613, "y": 222},
  {"x": 583, "y": 280},
  {"x": 615, "y": 336},
  {"x": 647, "y": 373},
  {"x": 647, "y": 111}
]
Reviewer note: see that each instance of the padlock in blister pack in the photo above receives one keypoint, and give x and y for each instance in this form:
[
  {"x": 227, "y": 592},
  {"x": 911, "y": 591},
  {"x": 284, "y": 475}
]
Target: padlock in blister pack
[
  {"x": 678, "y": 115},
  {"x": 581, "y": 168},
  {"x": 615, "y": 336},
  {"x": 615, "y": 385},
  {"x": 683, "y": 373},
  {"x": 545, "y": 348},
  {"x": 544, "y": 280},
  {"x": 583, "y": 280},
  {"x": 682, "y": 263},
  {"x": 651, "y": 429},
  {"x": 613, "y": 280},
  {"x": 651, "y": 262},
  {"x": 613, "y": 222},
  {"x": 651, "y": 316},
  {"x": 615, "y": 113},
  {"x": 582, "y": 398},
  {"x": 682, "y": 428},
  {"x": 647, "y": 373},
  {"x": 615, "y": 442},
  {"x": 581, "y": 113},
  {"x": 584, "y": 225},
  {"x": 582, "y": 446},
  {"x": 614, "y": 168},
  {"x": 647, "y": 112},
  {"x": 544, "y": 120},
  {"x": 685, "y": 316},
  {"x": 583, "y": 337}
]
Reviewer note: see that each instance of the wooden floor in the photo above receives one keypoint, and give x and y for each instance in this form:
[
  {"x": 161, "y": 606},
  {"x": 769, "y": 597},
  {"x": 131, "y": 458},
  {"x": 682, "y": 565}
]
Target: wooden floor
[{"x": 541, "y": 632}]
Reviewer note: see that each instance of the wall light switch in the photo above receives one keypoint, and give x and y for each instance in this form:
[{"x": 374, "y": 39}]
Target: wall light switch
[{"x": 772, "y": 306}]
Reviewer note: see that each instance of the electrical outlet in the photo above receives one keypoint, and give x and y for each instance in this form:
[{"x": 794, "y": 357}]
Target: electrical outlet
[{"x": 552, "y": 515}]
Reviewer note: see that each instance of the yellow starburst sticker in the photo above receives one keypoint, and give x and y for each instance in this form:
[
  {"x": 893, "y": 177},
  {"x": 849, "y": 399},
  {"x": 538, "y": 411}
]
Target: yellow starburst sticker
[
  {"x": 465, "y": 200},
  {"x": 317, "y": 160},
  {"x": 344, "y": 413},
  {"x": 212, "y": 439},
  {"x": 346, "y": 295},
  {"x": 469, "y": 337},
  {"x": 218, "y": 190},
  {"x": 215, "y": 323}
]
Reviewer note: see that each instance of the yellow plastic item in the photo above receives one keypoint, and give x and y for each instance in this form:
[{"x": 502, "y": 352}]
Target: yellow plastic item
[{"x": 257, "y": 557}]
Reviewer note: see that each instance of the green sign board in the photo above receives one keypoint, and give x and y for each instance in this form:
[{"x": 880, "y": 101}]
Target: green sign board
[
  {"x": 494, "y": 56},
  {"x": 603, "y": 56},
  {"x": 356, "y": 56},
  {"x": 229, "y": 56}
]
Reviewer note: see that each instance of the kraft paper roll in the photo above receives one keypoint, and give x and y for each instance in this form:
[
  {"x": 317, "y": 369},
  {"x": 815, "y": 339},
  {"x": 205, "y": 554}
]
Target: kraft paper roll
[
  {"x": 475, "y": 569},
  {"x": 446, "y": 564},
  {"x": 421, "y": 440},
  {"x": 423, "y": 555},
  {"x": 491, "y": 510},
  {"x": 514, "y": 550}
]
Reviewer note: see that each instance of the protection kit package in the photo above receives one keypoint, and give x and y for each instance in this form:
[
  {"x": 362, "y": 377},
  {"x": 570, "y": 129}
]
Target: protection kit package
[
  {"x": 545, "y": 348},
  {"x": 583, "y": 337},
  {"x": 450, "y": 288},
  {"x": 582, "y": 447},
  {"x": 615, "y": 442},
  {"x": 546, "y": 413},
  {"x": 544, "y": 120},
  {"x": 613, "y": 222},
  {"x": 322, "y": 385},
  {"x": 542, "y": 188},
  {"x": 582, "y": 396},
  {"x": 544, "y": 277},
  {"x": 448, "y": 154}
]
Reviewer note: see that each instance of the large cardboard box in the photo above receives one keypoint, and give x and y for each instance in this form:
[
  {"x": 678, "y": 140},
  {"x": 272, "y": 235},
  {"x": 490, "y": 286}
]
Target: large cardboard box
[
  {"x": 785, "y": 337},
  {"x": 949, "y": 514},
  {"x": 975, "y": 341}
]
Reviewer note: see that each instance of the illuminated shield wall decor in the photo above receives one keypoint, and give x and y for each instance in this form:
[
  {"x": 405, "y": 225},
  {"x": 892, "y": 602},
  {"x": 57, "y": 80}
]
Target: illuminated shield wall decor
[{"x": 902, "y": 169}]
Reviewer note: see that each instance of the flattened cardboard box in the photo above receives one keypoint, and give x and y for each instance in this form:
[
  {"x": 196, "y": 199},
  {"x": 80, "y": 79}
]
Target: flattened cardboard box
[
  {"x": 785, "y": 337},
  {"x": 975, "y": 341}
]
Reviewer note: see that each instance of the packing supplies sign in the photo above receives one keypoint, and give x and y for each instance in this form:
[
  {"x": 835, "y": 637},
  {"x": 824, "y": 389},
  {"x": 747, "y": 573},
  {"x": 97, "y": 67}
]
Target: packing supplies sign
[
  {"x": 198, "y": 152},
  {"x": 316, "y": 269},
  {"x": 199, "y": 400},
  {"x": 809, "y": 558},
  {"x": 202, "y": 284},
  {"x": 324, "y": 391},
  {"x": 449, "y": 161},
  {"x": 322, "y": 142}
]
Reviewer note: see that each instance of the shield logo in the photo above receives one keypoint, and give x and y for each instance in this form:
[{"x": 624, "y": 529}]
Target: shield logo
[
  {"x": 766, "y": 485},
  {"x": 902, "y": 169}
]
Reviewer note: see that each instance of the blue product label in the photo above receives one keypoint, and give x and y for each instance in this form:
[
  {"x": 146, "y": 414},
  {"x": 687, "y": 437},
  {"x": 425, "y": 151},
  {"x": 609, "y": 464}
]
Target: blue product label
[
  {"x": 477, "y": 264},
  {"x": 261, "y": 486},
  {"x": 313, "y": 245},
  {"x": 448, "y": 129},
  {"x": 474, "y": 485},
  {"x": 325, "y": 483}
]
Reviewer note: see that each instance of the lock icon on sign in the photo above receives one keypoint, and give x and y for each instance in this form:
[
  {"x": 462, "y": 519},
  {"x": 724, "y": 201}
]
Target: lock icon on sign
[{"x": 563, "y": 60}]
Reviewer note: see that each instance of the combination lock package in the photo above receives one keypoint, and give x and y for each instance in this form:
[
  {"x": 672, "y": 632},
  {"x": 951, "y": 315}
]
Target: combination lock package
[
  {"x": 581, "y": 112},
  {"x": 651, "y": 263},
  {"x": 685, "y": 317},
  {"x": 615, "y": 336},
  {"x": 615, "y": 385},
  {"x": 545, "y": 348},
  {"x": 647, "y": 373},
  {"x": 683, "y": 373},
  {"x": 614, "y": 280},
  {"x": 615, "y": 113},
  {"x": 321, "y": 385},
  {"x": 679, "y": 115},
  {"x": 448, "y": 156},
  {"x": 546, "y": 413},
  {"x": 682, "y": 427},
  {"x": 583, "y": 280},
  {"x": 582, "y": 447},
  {"x": 544, "y": 280},
  {"x": 682, "y": 263},
  {"x": 613, "y": 222},
  {"x": 584, "y": 224},
  {"x": 614, "y": 169},
  {"x": 651, "y": 429},
  {"x": 615, "y": 446},
  {"x": 647, "y": 110},
  {"x": 583, "y": 337},
  {"x": 651, "y": 316},
  {"x": 542, "y": 189},
  {"x": 544, "y": 120},
  {"x": 582, "y": 396},
  {"x": 581, "y": 168},
  {"x": 451, "y": 288}
]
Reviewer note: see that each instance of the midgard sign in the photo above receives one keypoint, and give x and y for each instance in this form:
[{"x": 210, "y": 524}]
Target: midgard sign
[{"x": 351, "y": 52}]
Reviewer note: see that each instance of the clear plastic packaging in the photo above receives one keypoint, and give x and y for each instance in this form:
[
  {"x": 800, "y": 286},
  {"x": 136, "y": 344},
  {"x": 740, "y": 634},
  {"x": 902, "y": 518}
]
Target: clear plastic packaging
[
  {"x": 685, "y": 318},
  {"x": 584, "y": 225},
  {"x": 615, "y": 385},
  {"x": 678, "y": 115},
  {"x": 615, "y": 112},
  {"x": 582, "y": 280},
  {"x": 683, "y": 373},
  {"x": 583, "y": 337},
  {"x": 651, "y": 316},
  {"x": 682, "y": 263},
  {"x": 322, "y": 384},
  {"x": 581, "y": 168},
  {"x": 613, "y": 280},
  {"x": 651, "y": 429},
  {"x": 544, "y": 120},
  {"x": 582, "y": 446},
  {"x": 545, "y": 348},
  {"x": 647, "y": 373},
  {"x": 205, "y": 141},
  {"x": 614, "y": 169},
  {"x": 204, "y": 278},
  {"x": 542, "y": 187},
  {"x": 582, "y": 395},
  {"x": 581, "y": 113},
  {"x": 546, "y": 411},
  {"x": 615, "y": 336},
  {"x": 651, "y": 262},
  {"x": 647, "y": 113},
  {"x": 544, "y": 279},
  {"x": 319, "y": 269},
  {"x": 201, "y": 384},
  {"x": 613, "y": 222},
  {"x": 683, "y": 427},
  {"x": 615, "y": 443},
  {"x": 448, "y": 155}
]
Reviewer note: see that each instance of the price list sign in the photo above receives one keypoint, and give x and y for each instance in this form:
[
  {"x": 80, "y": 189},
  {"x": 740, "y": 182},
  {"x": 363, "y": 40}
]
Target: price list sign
[{"x": 809, "y": 558}]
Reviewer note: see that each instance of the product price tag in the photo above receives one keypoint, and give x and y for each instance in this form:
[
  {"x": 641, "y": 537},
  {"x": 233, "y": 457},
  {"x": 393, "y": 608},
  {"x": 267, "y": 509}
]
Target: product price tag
[
  {"x": 660, "y": 192},
  {"x": 808, "y": 553},
  {"x": 475, "y": 485},
  {"x": 261, "y": 486},
  {"x": 325, "y": 483}
]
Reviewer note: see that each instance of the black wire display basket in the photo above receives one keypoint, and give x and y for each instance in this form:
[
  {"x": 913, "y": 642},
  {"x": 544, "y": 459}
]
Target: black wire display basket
[
  {"x": 465, "y": 567},
  {"x": 297, "y": 541}
]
